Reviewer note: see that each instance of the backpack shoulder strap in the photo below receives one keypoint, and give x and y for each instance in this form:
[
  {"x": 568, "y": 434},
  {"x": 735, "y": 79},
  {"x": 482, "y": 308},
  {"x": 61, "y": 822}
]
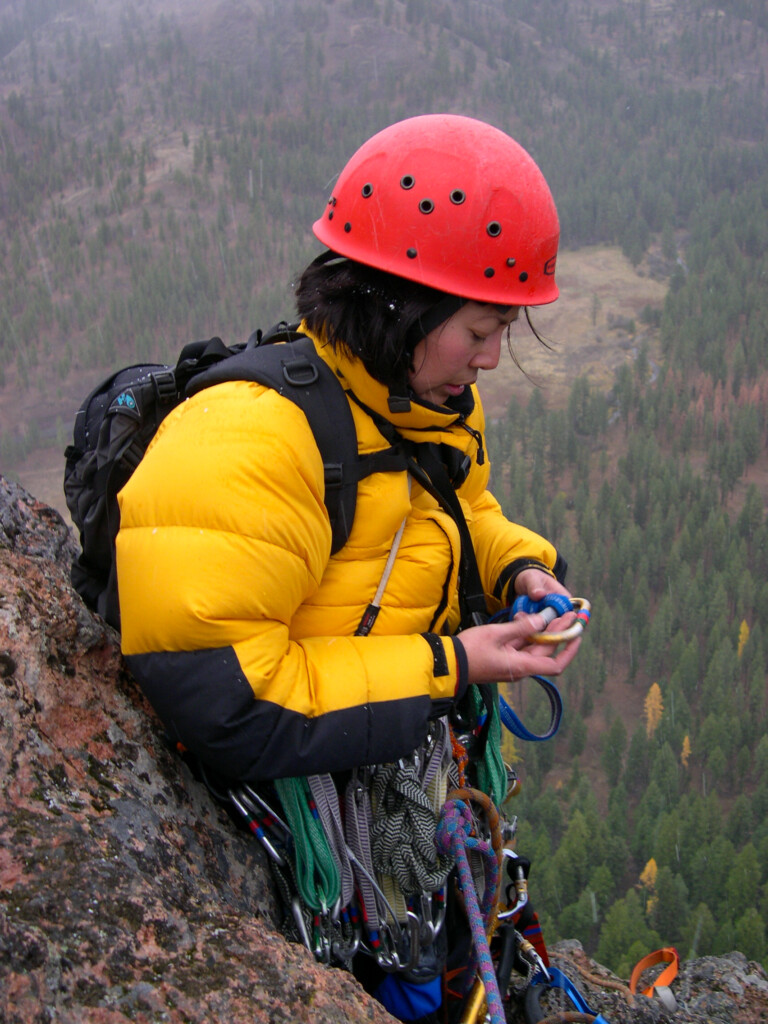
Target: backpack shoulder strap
[
  {"x": 297, "y": 372},
  {"x": 427, "y": 466}
]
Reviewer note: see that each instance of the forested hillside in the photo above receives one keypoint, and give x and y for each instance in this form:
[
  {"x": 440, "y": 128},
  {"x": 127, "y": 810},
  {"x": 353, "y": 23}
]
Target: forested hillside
[{"x": 159, "y": 173}]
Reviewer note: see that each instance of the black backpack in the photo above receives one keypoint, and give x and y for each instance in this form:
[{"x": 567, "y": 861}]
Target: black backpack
[{"x": 116, "y": 422}]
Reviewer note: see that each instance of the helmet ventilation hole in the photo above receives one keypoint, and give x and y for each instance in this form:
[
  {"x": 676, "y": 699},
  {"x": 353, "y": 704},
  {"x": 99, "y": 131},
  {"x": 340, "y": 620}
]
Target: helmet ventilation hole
[
  {"x": 493, "y": 229},
  {"x": 511, "y": 261},
  {"x": 411, "y": 254},
  {"x": 407, "y": 181},
  {"x": 458, "y": 196},
  {"x": 367, "y": 190},
  {"x": 489, "y": 271},
  {"x": 524, "y": 276},
  {"x": 426, "y": 206},
  {"x": 347, "y": 227}
]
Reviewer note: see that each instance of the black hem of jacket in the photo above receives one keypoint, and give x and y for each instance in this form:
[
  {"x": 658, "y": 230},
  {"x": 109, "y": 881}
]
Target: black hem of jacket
[{"x": 206, "y": 704}]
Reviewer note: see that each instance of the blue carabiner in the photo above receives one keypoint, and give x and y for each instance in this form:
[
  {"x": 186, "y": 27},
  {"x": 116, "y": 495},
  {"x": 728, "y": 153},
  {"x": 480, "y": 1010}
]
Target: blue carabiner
[
  {"x": 559, "y": 603},
  {"x": 557, "y": 979},
  {"x": 552, "y": 606}
]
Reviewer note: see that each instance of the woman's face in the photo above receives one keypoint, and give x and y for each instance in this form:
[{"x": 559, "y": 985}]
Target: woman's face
[{"x": 447, "y": 360}]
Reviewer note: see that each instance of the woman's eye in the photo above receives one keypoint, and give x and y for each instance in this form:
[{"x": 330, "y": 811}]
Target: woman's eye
[{"x": 477, "y": 337}]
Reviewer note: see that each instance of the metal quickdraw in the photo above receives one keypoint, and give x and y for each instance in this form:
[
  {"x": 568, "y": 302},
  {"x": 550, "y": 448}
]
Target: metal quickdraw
[
  {"x": 514, "y": 943},
  {"x": 261, "y": 819}
]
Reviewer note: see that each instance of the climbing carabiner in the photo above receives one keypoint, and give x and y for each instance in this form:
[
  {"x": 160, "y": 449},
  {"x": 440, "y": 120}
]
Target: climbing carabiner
[
  {"x": 403, "y": 953},
  {"x": 552, "y": 606},
  {"x": 346, "y": 936},
  {"x": 569, "y": 999},
  {"x": 256, "y": 827},
  {"x": 520, "y": 883}
]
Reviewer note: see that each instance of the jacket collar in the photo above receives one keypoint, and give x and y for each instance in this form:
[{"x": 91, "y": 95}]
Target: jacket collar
[{"x": 422, "y": 418}]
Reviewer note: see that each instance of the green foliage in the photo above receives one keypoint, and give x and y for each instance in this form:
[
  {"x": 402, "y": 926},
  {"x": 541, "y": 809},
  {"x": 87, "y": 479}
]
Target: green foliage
[
  {"x": 625, "y": 935},
  {"x": 664, "y": 556}
]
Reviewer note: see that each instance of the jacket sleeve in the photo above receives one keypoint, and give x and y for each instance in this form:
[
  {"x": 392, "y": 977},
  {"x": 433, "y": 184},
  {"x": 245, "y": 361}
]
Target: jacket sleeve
[{"x": 223, "y": 535}]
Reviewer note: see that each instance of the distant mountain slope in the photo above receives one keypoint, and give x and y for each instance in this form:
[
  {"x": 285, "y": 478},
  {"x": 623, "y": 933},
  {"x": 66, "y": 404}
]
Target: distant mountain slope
[{"x": 161, "y": 164}]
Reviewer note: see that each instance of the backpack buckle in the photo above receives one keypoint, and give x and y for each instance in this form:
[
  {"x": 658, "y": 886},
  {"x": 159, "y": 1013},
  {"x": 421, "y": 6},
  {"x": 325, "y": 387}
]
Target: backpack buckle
[
  {"x": 333, "y": 473},
  {"x": 300, "y": 372},
  {"x": 165, "y": 386}
]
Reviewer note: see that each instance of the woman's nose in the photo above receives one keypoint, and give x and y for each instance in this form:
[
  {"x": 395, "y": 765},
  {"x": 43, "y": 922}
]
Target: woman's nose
[{"x": 487, "y": 358}]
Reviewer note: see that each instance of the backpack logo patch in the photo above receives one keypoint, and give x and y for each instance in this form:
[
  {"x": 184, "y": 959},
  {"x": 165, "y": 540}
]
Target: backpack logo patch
[{"x": 125, "y": 402}]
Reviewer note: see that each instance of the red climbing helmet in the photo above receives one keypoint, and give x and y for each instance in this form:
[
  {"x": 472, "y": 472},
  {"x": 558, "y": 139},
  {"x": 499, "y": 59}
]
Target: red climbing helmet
[{"x": 450, "y": 202}]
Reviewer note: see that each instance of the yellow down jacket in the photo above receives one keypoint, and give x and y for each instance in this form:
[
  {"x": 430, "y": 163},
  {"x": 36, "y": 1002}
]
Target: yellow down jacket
[{"x": 238, "y": 622}]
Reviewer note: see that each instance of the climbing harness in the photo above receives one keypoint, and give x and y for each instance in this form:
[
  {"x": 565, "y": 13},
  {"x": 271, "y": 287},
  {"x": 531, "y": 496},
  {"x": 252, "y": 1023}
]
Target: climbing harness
[{"x": 368, "y": 871}]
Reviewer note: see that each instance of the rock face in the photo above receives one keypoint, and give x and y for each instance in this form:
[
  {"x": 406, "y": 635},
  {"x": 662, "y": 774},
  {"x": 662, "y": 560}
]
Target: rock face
[{"x": 126, "y": 892}]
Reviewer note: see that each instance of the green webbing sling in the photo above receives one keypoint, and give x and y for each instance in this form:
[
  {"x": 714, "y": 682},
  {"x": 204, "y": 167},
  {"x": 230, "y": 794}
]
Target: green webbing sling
[
  {"x": 491, "y": 771},
  {"x": 317, "y": 874}
]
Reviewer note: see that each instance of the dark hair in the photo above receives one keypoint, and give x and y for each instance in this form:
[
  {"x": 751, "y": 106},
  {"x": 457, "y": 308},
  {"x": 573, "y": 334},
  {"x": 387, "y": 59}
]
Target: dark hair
[{"x": 375, "y": 316}]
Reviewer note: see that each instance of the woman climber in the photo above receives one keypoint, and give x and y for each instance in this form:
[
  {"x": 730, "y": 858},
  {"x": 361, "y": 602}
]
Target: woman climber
[{"x": 255, "y": 644}]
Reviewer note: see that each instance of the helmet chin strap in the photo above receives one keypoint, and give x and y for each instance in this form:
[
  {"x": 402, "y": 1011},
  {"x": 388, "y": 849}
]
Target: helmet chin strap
[
  {"x": 398, "y": 403},
  {"x": 443, "y": 309},
  {"x": 328, "y": 256}
]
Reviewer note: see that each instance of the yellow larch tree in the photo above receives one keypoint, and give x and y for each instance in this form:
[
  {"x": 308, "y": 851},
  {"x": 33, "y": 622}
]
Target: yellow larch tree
[
  {"x": 648, "y": 875},
  {"x": 654, "y": 709},
  {"x": 648, "y": 882},
  {"x": 685, "y": 753},
  {"x": 743, "y": 636}
]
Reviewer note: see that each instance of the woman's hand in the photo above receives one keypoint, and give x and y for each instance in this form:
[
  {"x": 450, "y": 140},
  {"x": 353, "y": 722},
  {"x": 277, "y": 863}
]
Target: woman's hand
[
  {"x": 536, "y": 584},
  {"x": 502, "y": 651}
]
